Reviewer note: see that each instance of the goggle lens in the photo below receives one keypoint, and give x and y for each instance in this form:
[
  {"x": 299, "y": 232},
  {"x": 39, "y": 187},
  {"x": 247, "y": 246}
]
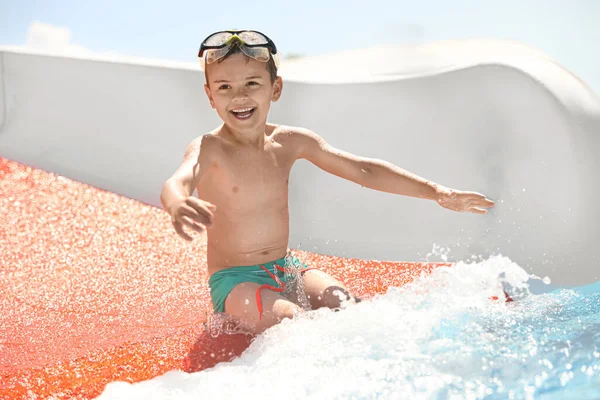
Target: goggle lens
[
  {"x": 222, "y": 41},
  {"x": 221, "y": 38}
]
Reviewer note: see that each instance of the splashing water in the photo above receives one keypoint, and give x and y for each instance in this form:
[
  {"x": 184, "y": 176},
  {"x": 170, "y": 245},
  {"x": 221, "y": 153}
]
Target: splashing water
[{"x": 440, "y": 337}]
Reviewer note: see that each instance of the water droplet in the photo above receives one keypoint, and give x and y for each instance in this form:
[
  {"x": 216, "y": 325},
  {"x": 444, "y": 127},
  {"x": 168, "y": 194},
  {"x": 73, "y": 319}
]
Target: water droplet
[{"x": 546, "y": 280}]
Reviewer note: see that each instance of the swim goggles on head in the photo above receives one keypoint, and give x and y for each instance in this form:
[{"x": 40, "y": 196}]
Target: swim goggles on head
[{"x": 254, "y": 44}]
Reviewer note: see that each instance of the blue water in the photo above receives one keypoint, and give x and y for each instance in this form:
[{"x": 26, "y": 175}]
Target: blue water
[
  {"x": 438, "y": 338},
  {"x": 545, "y": 347}
]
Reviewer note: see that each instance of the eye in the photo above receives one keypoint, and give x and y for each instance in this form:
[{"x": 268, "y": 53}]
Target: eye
[
  {"x": 252, "y": 83},
  {"x": 224, "y": 87}
]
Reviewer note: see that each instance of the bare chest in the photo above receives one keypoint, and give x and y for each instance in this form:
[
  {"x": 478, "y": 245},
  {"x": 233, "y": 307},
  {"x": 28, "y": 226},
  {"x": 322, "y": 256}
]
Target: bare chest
[{"x": 243, "y": 182}]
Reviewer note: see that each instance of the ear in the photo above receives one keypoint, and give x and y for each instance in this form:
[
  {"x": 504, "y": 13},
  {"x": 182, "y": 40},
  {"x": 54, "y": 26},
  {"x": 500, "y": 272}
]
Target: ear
[
  {"x": 209, "y": 95},
  {"x": 277, "y": 89}
]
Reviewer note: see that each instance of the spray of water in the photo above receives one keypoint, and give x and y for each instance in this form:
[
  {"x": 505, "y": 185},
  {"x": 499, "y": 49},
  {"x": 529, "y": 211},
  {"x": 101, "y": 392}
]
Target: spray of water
[{"x": 441, "y": 336}]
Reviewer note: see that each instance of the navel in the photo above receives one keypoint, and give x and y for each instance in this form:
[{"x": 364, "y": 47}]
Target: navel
[{"x": 235, "y": 189}]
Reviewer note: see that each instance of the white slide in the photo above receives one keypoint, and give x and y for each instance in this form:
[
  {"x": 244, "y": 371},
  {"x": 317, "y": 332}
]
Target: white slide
[{"x": 489, "y": 116}]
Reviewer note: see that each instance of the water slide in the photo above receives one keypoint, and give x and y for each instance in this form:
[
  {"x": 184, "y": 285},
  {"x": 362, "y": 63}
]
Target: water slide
[{"x": 87, "y": 144}]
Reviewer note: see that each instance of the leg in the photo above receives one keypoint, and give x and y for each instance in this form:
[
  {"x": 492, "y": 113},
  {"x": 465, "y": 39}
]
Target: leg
[
  {"x": 241, "y": 303},
  {"x": 323, "y": 290}
]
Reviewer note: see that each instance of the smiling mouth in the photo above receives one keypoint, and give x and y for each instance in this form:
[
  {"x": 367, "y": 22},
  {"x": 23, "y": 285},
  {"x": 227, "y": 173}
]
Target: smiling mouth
[{"x": 243, "y": 113}]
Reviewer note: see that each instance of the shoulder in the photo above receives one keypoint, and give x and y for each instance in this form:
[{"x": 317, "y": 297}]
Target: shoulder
[
  {"x": 302, "y": 139},
  {"x": 294, "y": 132},
  {"x": 203, "y": 146}
]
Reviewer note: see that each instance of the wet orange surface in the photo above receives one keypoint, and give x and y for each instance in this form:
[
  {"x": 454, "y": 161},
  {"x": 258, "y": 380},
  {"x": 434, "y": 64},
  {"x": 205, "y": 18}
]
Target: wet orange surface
[{"x": 96, "y": 287}]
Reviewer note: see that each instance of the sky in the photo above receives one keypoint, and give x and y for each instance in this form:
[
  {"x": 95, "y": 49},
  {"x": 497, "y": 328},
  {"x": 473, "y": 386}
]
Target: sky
[{"x": 567, "y": 30}]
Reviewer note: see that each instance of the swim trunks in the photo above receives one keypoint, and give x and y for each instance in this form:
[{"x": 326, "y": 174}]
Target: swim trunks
[{"x": 271, "y": 275}]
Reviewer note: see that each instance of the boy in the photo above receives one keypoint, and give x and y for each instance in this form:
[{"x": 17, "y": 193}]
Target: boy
[{"x": 241, "y": 171}]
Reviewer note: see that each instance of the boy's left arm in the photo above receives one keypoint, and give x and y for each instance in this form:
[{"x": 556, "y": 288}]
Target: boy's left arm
[{"x": 384, "y": 176}]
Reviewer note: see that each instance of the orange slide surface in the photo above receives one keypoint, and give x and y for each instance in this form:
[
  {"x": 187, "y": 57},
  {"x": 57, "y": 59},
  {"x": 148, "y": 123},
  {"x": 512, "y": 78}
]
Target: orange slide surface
[{"x": 96, "y": 287}]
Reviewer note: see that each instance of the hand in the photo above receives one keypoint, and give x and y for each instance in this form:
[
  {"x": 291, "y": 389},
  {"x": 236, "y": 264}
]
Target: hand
[
  {"x": 457, "y": 200},
  {"x": 193, "y": 213}
]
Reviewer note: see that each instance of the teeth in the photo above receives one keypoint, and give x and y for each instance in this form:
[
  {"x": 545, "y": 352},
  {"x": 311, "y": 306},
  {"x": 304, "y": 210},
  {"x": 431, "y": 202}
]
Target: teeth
[{"x": 242, "y": 110}]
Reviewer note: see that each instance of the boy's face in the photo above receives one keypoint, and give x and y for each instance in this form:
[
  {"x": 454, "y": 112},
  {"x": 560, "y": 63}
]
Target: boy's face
[{"x": 241, "y": 91}]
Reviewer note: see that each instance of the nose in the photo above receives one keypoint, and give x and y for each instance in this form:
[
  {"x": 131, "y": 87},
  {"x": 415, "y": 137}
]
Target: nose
[{"x": 240, "y": 95}]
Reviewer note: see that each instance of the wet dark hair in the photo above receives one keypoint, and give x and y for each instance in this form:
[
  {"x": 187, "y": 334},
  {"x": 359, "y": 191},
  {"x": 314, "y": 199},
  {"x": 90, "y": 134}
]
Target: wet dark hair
[{"x": 235, "y": 49}]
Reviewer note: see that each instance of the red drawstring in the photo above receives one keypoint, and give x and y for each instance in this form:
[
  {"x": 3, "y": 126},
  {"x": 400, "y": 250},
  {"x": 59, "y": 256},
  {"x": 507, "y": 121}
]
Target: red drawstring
[
  {"x": 273, "y": 288},
  {"x": 265, "y": 286},
  {"x": 507, "y": 298}
]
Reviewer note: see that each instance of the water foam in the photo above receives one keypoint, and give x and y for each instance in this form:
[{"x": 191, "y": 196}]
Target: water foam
[{"x": 440, "y": 337}]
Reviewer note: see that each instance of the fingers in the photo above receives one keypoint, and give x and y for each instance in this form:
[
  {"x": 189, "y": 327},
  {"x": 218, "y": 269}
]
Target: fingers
[
  {"x": 195, "y": 214},
  {"x": 198, "y": 210},
  {"x": 190, "y": 223},
  {"x": 481, "y": 203},
  {"x": 179, "y": 229},
  {"x": 487, "y": 202},
  {"x": 478, "y": 200},
  {"x": 480, "y": 197},
  {"x": 477, "y": 210},
  {"x": 194, "y": 201}
]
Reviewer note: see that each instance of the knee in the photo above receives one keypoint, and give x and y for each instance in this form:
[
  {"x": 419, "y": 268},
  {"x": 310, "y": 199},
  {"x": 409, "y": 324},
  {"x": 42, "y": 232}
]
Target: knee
[
  {"x": 282, "y": 310},
  {"x": 334, "y": 296},
  {"x": 276, "y": 315}
]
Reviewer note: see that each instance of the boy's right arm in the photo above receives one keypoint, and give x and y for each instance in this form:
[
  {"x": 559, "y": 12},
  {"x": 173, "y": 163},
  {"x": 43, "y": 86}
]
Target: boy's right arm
[{"x": 176, "y": 196}]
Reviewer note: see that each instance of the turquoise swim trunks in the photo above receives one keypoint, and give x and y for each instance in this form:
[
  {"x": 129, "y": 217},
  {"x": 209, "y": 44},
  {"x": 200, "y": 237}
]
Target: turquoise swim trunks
[{"x": 269, "y": 275}]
